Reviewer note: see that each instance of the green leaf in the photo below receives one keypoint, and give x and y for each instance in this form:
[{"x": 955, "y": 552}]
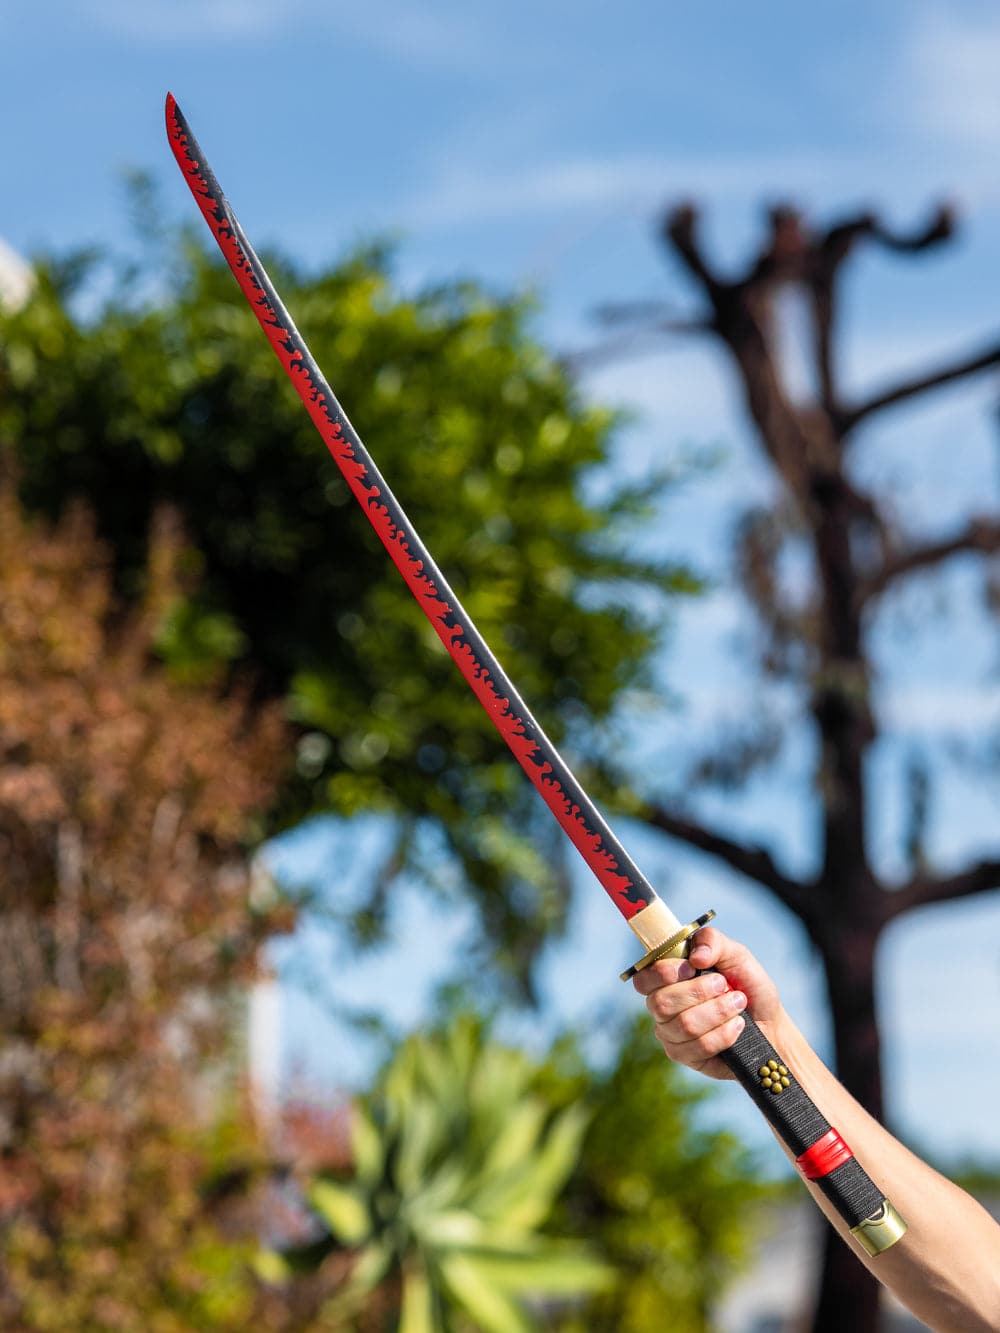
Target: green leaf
[
  {"x": 517, "y": 1138},
  {"x": 367, "y": 1148},
  {"x": 454, "y": 1229},
  {"x": 550, "y": 1268},
  {"x": 488, "y": 1307},
  {"x": 481, "y": 1148},
  {"x": 417, "y": 1311},
  {"x": 343, "y": 1210},
  {"x": 271, "y": 1267},
  {"x": 371, "y": 1266},
  {"x": 523, "y": 1199},
  {"x": 421, "y": 1134}
]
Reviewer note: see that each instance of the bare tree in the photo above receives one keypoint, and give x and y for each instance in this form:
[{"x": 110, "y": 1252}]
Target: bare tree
[{"x": 858, "y": 551}]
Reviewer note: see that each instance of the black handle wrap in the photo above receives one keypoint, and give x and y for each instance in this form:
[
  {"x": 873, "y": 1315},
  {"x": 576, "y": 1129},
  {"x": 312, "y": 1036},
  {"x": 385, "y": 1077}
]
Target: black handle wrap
[{"x": 798, "y": 1121}]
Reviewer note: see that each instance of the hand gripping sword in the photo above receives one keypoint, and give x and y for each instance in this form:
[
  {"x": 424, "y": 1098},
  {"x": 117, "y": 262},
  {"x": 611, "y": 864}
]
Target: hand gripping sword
[{"x": 820, "y": 1153}]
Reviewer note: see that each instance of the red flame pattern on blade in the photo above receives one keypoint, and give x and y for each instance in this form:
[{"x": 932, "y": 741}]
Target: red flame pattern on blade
[{"x": 629, "y": 891}]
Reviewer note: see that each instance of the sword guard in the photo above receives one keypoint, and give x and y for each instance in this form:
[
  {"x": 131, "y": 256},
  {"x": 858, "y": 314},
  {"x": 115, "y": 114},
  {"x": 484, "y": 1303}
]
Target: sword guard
[{"x": 674, "y": 946}]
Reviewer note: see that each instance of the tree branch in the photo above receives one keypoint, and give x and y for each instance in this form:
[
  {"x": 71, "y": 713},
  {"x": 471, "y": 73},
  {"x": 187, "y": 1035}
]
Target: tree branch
[
  {"x": 980, "y": 535},
  {"x": 839, "y": 239},
  {"x": 679, "y": 229},
  {"x": 906, "y": 389},
  {"x": 939, "y": 227},
  {"x": 642, "y": 315},
  {"x": 754, "y": 862},
  {"x": 630, "y": 342},
  {"x": 981, "y": 877}
]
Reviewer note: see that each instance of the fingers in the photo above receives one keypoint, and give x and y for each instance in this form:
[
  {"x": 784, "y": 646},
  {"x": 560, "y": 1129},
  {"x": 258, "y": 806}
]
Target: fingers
[
  {"x": 712, "y": 949},
  {"x": 696, "y": 1020},
  {"x": 697, "y": 1017},
  {"x": 709, "y": 947},
  {"x": 664, "y": 973},
  {"x": 702, "y": 1054},
  {"x": 666, "y": 1001},
  {"x": 690, "y": 1009}
]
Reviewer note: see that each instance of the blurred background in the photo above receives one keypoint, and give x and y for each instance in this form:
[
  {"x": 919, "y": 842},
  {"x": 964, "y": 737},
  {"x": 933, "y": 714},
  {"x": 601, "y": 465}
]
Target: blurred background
[{"x": 674, "y": 333}]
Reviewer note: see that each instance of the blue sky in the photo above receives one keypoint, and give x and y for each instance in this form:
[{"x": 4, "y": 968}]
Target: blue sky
[{"x": 531, "y": 145}]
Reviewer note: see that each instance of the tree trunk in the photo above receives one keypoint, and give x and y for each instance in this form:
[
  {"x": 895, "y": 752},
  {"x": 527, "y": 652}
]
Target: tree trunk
[
  {"x": 849, "y": 963},
  {"x": 848, "y": 1295},
  {"x": 819, "y": 638}
]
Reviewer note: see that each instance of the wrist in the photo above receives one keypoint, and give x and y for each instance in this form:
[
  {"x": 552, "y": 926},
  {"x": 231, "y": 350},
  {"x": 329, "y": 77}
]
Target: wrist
[
  {"x": 782, "y": 1033},
  {"x": 800, "y": 1057}
]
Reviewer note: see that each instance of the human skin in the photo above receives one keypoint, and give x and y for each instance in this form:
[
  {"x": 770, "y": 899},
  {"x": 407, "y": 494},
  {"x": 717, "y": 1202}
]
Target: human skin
[{"x": 946, "y": 1269}]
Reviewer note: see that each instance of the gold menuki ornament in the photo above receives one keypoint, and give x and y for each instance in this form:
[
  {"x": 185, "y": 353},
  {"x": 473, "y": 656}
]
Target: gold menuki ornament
[{"x": 774, "y": 1078}]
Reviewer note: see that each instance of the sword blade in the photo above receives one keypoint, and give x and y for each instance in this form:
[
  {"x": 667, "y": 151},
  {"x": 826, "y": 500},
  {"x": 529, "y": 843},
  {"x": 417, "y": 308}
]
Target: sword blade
[
  {"x": 620, "y": 877},
  {"x": 819, "y": 1151}
]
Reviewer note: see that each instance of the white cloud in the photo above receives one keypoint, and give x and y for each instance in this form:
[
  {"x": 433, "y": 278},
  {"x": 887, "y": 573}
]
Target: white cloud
[
  {"x": 425, "y": 36},
  {"x": 636, "y": 183},
  {"x": 948, "y": 77},
  {"x": 476, "y": 188},
  {"x": 936, "y": 709},
  {"x": 686, "y": 386},
  {"x": 160, "y": 20},
  {"x": 16, "y": 277},
  {"x": 942, "y": 91},
  {"x": 428, "y": 36}
]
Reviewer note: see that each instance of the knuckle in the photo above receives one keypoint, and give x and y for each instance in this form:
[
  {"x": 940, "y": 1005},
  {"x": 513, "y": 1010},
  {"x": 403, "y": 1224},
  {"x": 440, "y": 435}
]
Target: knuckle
[
  {"x": 723, "y": 1037},
  {"x": 666, "y": 1043},
  {"x": 657, "y": 975},
  {"x": 688, "y": 1023},
  {"x": 708, "y": 987},
  {"x": 663, "y": 973},
  {"x": 676, "y": 1053},
  {"x": 729, "y": 1005}
]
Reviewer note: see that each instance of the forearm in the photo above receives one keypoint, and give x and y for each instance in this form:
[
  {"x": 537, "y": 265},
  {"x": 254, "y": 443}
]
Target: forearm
[{"x": 946, "y": 1269}]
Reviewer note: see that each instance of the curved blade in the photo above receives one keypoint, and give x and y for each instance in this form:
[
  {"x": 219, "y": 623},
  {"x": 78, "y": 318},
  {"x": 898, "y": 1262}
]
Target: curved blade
[{"x": 621, "y": 878}]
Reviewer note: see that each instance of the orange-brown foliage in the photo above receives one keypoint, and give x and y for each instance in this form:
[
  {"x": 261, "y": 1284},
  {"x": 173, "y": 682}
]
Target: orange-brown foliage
[{"x": 129, "y": 922}]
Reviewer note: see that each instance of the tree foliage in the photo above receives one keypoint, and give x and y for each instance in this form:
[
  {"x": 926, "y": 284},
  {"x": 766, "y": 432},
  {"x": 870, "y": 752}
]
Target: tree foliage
[
  {"x": 490, "y": 1191},
  {"x": 457, "y": 1162},
  {"x": 487, "y": 444},
  {"x": 668, "y": 1203},
  {"x": 130, "y": 924}
]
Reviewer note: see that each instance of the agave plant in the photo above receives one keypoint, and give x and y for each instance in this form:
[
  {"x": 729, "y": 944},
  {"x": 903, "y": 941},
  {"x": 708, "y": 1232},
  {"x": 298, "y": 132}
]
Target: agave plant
[{"x": 456, "y": 1165}]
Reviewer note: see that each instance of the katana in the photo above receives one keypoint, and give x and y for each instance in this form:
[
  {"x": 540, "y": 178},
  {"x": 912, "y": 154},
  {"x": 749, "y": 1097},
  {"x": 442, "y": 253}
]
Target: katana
[{"x": 820, "y": 1153}]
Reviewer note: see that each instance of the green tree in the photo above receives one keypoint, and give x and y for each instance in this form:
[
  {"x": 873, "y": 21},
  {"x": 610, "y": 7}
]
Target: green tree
[
  {"x": 492, "y": 1191},
  {"x": 488, "y": 444},
  {"x": 668, "y": 1203},
  {"x": 457, "y": 1162}
]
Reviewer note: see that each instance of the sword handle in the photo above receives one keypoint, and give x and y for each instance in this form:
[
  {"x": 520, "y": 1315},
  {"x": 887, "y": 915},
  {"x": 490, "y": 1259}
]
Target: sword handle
[{"x": 820, "y": 1153}]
